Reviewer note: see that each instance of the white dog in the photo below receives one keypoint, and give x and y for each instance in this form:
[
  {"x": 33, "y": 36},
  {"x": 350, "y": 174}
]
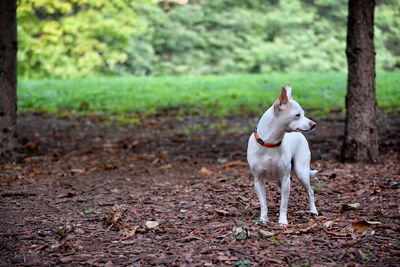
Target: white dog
[{"x": 277, "y": 146}]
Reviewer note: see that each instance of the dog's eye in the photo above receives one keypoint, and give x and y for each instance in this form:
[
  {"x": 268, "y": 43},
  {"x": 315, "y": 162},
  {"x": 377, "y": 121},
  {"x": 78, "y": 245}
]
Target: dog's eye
[{"x": 298, "y": 115}]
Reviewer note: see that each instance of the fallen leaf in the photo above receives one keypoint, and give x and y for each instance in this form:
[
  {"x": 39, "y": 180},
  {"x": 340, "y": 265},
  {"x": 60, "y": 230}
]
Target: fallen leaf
[
  {"x": 111, "y": 150},
  {"x": 223, "y": 212},
  {"x": 79, "y": 231},
  {"x": 115, "y": 219},
  {"x": 30, "y": 146},
  {"x": 327, "y": 224},
  {"x": 133, "y": 144},
  {"x": 345, "y": 207},
  {"x": 166, "y": 167},
  {"x": 241, "y": 230},
  {"x": 242, "y": 262},
  {"x": 394, "y": 185},
  {"x": 129, "y": 231},
  {"x": 226, "y": 258},
  {"x": 66, "y": 260},
  {"x": 115, "y": 214},
  {"x": 241, "y": 233},
  {"x": 375, "y": 190},
  {"x": 215, "y": 225},
  {"x": 205, "y": 171},
  {"x": 266, "y": 234},
  {"x": 92, "y": 261},
  {"x": 164, "y": 260},
  {"x": 362, "y": 226},
  {"x": 109, "y": 166},
  {"x": 234, "y": 164},
  {"x": 240, "y": 224},
  {"x": 89, "y": 211},
  {"x": 301, "y": 230},
  {"x": 66, "y": 195},
  {"x": 77, "y": 171}
]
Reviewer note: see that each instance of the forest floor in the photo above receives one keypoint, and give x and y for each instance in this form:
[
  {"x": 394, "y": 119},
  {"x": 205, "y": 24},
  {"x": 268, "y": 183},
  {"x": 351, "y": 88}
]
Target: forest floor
[{"x": 179, "y": 192}]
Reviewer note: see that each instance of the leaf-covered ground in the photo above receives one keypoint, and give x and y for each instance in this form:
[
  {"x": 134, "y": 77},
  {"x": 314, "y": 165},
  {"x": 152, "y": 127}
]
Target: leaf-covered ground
[{"x": 179, "y": 192}]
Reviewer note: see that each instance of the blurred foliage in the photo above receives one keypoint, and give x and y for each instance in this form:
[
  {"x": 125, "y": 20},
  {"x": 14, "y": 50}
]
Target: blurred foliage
[
  {"x": 75, "y": 38},
  {"x": 78, "y": 38}
]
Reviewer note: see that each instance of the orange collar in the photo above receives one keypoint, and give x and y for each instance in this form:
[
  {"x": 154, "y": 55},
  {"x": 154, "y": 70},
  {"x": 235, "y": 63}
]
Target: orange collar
[{"x": 261, "y": 142}]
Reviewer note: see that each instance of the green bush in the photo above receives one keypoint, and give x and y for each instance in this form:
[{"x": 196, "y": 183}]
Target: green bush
[{"x": 73, "y": 38}]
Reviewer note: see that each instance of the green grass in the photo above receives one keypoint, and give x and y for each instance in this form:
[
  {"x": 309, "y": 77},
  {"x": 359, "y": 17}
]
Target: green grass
[{"x": 220, "y": 96}]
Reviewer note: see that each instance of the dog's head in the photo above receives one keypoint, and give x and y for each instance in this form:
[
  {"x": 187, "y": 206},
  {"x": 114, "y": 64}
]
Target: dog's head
[{"x": 289, "y": 113}]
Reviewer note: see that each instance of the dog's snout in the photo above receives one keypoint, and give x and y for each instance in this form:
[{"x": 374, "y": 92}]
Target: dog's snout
[{"x": 312, "y": 124}]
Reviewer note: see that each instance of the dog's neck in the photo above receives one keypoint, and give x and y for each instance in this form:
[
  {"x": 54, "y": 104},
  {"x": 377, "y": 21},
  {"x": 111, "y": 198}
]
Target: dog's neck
[{"x": 269, "y": 129}]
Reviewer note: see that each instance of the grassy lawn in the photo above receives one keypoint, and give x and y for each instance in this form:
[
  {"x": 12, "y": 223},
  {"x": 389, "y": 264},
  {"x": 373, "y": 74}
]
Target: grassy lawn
[{"x": 218, "y": 96}]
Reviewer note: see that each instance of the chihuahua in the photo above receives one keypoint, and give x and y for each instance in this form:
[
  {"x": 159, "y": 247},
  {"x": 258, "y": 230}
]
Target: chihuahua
[{"x": 276, "y": 147}]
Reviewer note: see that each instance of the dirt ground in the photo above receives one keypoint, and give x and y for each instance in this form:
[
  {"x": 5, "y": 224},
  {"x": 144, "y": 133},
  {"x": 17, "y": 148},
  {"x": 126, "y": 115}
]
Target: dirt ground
[{"x": 178, "y": 192}]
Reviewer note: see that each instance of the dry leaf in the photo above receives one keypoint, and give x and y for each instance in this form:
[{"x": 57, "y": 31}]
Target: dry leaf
[
  {"x": 226, "y": 258},
  {"x": 30, "y": 146},
  {"x": 233, "y": 164},
  {"x": 266, "y": 234},
  {"x": 242, "y": 233},
  {"x": 205, "y": 171},
  {"x": 301, "y": 230},
  {"x": 328, "y": 224},
  {"x": 166, "y": 167},
  {"x": 363, "y": 225},
  {"x": 115, "y": 214},
  {"x": 133, "y": 144},
  {"x": 129, "y": 231},
  {"x": 353, "y": 206},
  {"x": 115, "y": 219},
  {"x": 108, "y": 166},
  {"x": 223, "y": 212},
  {"x": 77, "y": 171}
]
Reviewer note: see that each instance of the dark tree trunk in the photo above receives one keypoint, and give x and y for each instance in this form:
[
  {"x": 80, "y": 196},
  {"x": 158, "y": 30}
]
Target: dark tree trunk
[
  {"x": 361, "y": 132},
  {"x": 8, "y": 79}
]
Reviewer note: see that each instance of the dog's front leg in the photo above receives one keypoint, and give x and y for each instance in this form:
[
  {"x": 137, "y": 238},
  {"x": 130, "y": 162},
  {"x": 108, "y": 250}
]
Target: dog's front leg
[
  {"x": 285, "y": 191},
  {"x": 260, "y": 190}
]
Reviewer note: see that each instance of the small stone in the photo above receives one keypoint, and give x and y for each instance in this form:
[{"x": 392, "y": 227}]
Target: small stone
[{"x": 151, "y": 224}]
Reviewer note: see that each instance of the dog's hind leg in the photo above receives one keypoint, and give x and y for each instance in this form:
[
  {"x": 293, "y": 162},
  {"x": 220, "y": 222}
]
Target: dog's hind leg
[
  {"x": 304, "y": 173},
  {"x": 260, "y": 191},
  {"x": 285, "y": 191}
]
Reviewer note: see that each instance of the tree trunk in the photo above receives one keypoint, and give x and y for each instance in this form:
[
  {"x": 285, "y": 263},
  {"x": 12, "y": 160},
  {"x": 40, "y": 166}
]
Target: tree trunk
[
  {"x": 8, "y": 80},
  {"x": 361, "y": 132}
]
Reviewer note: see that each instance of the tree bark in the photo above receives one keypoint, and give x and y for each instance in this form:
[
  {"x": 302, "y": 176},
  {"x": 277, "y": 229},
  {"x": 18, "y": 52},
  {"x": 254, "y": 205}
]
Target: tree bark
[
  {"x": 8, "y": 80},
  {"x": 361, "y": 132}
]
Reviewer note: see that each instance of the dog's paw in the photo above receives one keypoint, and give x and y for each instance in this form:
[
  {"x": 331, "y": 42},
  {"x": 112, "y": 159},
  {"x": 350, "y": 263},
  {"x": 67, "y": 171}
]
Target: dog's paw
[
  {"x": 263, "y": 219},
  {"x": 314, "y": 211},
  {"x": 283, "y": 222}
]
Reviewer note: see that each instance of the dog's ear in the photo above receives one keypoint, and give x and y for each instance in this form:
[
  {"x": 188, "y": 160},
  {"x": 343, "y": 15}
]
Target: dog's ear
[
  {"x": 289, "y": 90},
  {"x": 281, "y": 102}
]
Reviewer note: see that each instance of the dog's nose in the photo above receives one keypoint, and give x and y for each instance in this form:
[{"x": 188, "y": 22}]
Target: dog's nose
[{"x": 312, "y": 124}]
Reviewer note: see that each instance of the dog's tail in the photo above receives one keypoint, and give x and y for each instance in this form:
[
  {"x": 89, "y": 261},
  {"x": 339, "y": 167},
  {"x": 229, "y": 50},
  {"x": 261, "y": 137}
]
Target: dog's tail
[{"x": 313, "y": 174}]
